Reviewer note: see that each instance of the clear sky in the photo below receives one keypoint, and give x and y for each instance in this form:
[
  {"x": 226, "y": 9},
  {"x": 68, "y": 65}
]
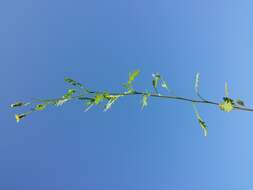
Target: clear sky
[{"x": 98, "y": 42}]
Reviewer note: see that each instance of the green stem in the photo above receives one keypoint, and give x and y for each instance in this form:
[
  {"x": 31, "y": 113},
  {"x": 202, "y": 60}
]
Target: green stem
[
  {"x": 134, "y": 93},
  {"x": 203, "y": 101}
]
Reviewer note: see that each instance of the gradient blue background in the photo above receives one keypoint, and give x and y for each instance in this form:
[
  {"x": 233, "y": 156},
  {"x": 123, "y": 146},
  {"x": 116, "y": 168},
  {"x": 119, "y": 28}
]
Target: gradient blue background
[{"x": 98, "y": 43}]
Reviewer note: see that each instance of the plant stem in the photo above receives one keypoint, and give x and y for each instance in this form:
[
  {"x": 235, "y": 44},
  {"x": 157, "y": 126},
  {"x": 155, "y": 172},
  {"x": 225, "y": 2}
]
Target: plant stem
[{"x": 165, "y": 97}]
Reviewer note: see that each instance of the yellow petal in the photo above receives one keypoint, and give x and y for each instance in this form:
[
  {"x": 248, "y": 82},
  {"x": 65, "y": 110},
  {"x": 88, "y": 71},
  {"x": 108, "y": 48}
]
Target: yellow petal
[{"x": 17, "y": 117}]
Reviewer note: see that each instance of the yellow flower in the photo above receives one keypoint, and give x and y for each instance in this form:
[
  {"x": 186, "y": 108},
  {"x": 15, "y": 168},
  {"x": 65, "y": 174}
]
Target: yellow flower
[
  {"x": 227, "y": 105},
  {"x": 18, "y": 117}
]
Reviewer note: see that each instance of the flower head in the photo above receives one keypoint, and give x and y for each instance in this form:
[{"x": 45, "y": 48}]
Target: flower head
[
  {"x": 18, "y": 117},
  {"x": 17, "y": 104}
]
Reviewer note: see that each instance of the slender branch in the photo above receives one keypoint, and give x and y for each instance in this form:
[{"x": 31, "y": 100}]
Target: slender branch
[
  {"x": 80, "y": 92},
  {"x": 162, "y": 97}
]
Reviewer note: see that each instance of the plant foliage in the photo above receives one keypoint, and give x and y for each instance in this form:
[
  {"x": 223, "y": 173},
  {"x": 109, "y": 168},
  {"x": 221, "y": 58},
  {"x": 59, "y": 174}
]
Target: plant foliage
[{"x": 107, "y": 99}]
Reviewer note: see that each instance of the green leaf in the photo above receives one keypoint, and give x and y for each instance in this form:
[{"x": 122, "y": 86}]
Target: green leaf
[
  {"x": 227, "y": 105},
  {"x": 165, "y": 85},
  {"x": 90, "y": 103},
  {"x": 111, "y": 101},
  {"x": 131, "y": 78},
  {"x": 83, "y": 98},
  {"x": 69, "y": 94},
  {"x": 60, "y": 102},
  {"x": 197, "y": 79},
  {"x": 98, "y": 98},
  {"x": 226, "y": 89},
  {"x": 203, "y": 126},
  {"x": 156, "y": 78},
  {"x": 133, "y": 75},
  {"x": 240, "y": 102},
  {"x": 40, "y": 107},
  {"x": 200, "y": 120},
  {"x": 73, "y": 82},
  {"x": 145, "y": 100}
]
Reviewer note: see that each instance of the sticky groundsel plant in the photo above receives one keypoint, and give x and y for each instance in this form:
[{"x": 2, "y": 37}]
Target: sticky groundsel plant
[{"x": 91, "y": 98}]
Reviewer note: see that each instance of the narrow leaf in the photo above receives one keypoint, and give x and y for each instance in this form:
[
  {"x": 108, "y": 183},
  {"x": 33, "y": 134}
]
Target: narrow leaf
[
  {"x": 165, "y": 85},
  {"x": 226, "y": 89},
  {"x": 89, "y": 107},
  {"x": 197, "y": 78},
  {"x": 156, "y": 78},
  {"x": 240, "y": 102},
  {"x": 200, "y": 120},
  {"x": 73, "y": 82},
  {"x": 60, "y": 102},
  {"x": 131, "y": 78},
  {"x": 69, "y": 94},
  {"x": 144, "y": 100},
  {"x": 90, "y": 103},
  {"x": 110, "y": 102},
  {"x": 133, "y": 75}
]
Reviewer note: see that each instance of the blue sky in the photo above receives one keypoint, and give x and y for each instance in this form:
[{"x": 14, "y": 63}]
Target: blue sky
[{"x": 98, "y": 43}]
